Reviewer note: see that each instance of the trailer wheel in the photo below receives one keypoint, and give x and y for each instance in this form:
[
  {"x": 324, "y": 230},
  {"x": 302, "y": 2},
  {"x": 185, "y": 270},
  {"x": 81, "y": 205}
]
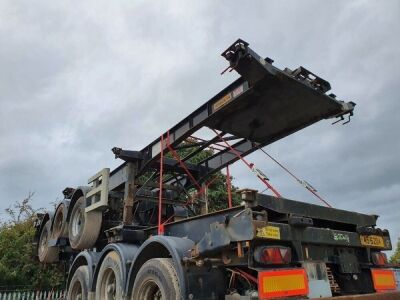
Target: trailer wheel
[
  {"x": 79, "y": 285},
  {"x": 157, "y": 279},
  {"x": 83, "y": 228},
  {"x": 60, "y": 228},
  {"x": 109, "y": 283},
  {"x": 47, "y": 254}
]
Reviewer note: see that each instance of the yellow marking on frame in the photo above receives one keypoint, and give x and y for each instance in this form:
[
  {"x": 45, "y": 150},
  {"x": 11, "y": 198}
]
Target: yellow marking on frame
[
  {"x": 222, "y": 102},
  {"x": 269, "y": 232}
]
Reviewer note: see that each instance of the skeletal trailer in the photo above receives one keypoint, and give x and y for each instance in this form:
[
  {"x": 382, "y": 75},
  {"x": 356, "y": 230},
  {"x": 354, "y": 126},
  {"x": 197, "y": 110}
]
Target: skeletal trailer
[{"x": 142, "y": 231}]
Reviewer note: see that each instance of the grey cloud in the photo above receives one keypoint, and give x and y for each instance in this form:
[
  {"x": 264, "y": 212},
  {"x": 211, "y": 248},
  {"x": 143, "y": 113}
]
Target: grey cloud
[{"x": 78, "y": 79}]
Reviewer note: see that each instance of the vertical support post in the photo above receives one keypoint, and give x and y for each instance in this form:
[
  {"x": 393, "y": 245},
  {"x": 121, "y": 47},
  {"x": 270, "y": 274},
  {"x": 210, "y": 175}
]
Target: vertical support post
[
  {"x": 129, "y": 194},
  {"x": 228, "y": 186},
  {"x": 160, "y": 225},
  {"x": 204, "y": 207},
  {"x": 240, "y": 249}
]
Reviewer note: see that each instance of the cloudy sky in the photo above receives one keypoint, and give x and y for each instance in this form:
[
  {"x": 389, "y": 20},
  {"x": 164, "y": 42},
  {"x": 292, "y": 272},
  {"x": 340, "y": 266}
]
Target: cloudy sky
[{"x": 79, "y": 78}]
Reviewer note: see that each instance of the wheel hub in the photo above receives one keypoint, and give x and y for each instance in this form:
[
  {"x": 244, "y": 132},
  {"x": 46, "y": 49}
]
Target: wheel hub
[
  {"x": 109, "y": 286},
  {"x": 77, "y": 222}
]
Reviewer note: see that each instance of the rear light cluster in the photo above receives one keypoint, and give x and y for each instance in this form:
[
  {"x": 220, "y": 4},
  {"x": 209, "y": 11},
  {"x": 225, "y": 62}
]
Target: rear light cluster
[
  {"x": 272, "y": 255},
  {"x": 379, "y": 258}
]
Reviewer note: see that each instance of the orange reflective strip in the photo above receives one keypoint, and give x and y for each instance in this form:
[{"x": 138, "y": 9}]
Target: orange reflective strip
[
  {"x": 282, "y": 283},
  {"x": 383, "y": 279}
]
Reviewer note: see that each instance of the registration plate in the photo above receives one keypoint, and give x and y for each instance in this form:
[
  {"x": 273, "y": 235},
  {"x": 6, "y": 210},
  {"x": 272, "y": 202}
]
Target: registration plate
[{"x": 372, "y": 241}]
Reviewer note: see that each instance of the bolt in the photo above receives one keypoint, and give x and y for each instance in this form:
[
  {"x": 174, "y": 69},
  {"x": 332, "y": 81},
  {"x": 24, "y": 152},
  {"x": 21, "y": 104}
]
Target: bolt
[{"x": 111, "y": 288}]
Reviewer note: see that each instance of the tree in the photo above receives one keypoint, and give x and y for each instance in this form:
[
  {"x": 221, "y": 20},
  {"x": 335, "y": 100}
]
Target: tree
[
  {"x": 396, "y": 256},
  {"x": 19, "y": 269},
  {"x": 217, "y": 191}
]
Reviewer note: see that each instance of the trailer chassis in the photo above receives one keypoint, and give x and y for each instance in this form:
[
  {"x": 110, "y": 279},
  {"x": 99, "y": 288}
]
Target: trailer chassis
[{"x": 217, "y": 255}]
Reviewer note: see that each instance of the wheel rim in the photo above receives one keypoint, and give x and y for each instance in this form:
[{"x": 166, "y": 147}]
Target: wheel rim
[
  {"x": 77, "y": 223},
  {"x": 77, "y": 291},
  {"x": 150, "y": 290},
  {"x": 108, "y": 286},
  {"x": 58, "y": 223},
  {"x": 43, "y": 242}
]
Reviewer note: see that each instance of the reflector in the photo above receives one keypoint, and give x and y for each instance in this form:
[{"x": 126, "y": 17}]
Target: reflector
[
  {"x": 282, "y": 283},
  {"x": 383, "y": 279}
]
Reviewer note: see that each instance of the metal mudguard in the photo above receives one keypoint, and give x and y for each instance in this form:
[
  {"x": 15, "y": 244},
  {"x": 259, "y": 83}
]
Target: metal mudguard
[
  {"x": 88, "y": 258},
  {"x": 157, "y": 246}
]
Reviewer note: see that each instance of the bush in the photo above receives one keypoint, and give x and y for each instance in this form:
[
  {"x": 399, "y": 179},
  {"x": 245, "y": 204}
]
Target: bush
[{"x": 19, "y": 268}]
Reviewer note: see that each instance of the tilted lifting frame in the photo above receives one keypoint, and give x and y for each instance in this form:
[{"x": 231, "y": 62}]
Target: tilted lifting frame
[{"x": 264, "y": 105}]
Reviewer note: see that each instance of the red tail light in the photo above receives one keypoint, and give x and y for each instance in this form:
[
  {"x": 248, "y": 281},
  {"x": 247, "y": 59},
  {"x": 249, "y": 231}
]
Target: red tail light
[
  {"x": 379, "y": 258},
  {"x": 274, "y": 255}
]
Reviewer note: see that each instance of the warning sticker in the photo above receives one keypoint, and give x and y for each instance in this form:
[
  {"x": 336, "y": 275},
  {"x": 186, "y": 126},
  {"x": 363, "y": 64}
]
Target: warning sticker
[
  {"x": 236, "y": 92},
  {"x": 269, "y": 232},
  {"x": 222, "y": 102}
]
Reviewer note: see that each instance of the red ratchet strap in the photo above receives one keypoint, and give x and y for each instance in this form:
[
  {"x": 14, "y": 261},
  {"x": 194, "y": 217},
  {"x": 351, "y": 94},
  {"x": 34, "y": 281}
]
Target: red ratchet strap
[
  {"x": 228, "y": 186},
  {"x": 203, "y": 140},
  {"x": 251, "y": 166},
  {"x": 182, "y": 164},
  {"x": 161, "y": 226},
  {"x": 297, "y": 179},
  {"x": 167, "y": 220},
  {"x": 246, "y": 275}
]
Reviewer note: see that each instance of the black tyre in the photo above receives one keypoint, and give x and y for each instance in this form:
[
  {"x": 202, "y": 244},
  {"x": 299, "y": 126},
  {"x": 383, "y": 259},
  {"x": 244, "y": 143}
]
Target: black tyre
[
  {"x": 83, "y": 227},
  {"x": 79, "y": 285},
  {"x": 109, "y": 283},
  {"x": 60, "y": 228},
  {"x": 157, "y": 279},
  {"x": 47, "y": 254}
]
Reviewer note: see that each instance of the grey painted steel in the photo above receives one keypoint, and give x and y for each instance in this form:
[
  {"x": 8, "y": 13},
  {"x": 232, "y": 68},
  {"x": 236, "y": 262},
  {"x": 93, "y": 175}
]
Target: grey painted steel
[
  {"x": 196, "y": 227},
  {"x": 397, "y": 276},
  {"x": 97, "y": 197},
  {"x": 288, "y": 206}
]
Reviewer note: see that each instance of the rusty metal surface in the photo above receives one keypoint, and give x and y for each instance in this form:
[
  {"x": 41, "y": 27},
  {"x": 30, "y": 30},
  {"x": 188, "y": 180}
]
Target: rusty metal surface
[
  {"x": 234, "y": 229},
  {"x": 315, "y": 211},
  {"x": 376, "y": 296}
]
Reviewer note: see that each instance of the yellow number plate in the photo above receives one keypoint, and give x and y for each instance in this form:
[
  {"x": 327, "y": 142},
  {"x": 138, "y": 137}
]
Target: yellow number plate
[
  {"x": 269, "y": 232},
  {"x": 372, "y": 241}
]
